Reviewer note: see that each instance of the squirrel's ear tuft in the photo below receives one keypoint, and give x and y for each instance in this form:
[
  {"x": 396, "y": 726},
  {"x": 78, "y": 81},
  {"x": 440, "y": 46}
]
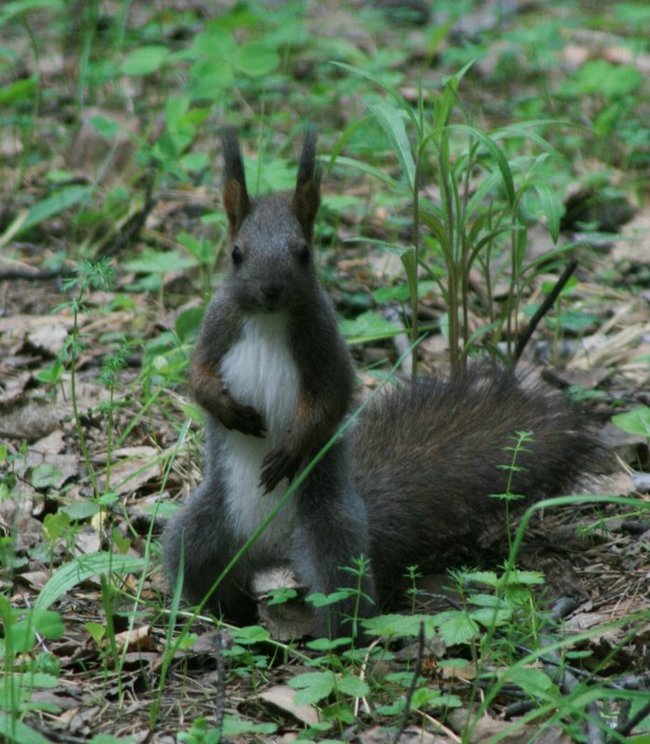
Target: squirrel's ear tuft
[
  {"x": 235, "y": 195},
  {"x": 306, "y": 198}
]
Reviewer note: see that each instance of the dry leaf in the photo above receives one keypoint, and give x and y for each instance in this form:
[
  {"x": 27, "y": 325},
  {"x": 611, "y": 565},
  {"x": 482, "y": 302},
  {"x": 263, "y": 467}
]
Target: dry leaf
[
  {"x": 132, "y": 467},
  {"x": 49, "y": 337},
  {"x": 136, "y": 639},
  {"x": 34, "y": 579},
  {"x": 52, "y": 444},
  {"x": 487, "y": 728},
  {"x": 282, "y": 697},
  {"x": 34, "y": 419},
  {"x": 411, "y": 735},
  {"x": 13, "y": 388},
  {"x": 634, "y": 242}
]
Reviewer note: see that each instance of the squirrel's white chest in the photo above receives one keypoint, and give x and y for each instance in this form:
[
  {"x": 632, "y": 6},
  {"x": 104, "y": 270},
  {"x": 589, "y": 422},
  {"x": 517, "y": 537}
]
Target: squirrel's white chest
[{"x": 260, "y": 371}]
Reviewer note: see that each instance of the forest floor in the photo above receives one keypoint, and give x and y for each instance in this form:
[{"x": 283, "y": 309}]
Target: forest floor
[{"x": 111, "y": 239}]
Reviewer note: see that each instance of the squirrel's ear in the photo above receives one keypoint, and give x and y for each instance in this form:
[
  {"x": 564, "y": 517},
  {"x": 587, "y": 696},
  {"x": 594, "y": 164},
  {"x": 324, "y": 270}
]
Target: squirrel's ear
[
  {"x": 306, "y": 198},
  {"x": 235, "y": 195}
]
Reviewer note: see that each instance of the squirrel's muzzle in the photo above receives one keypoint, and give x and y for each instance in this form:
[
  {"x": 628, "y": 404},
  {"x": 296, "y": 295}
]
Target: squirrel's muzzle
[{"x": 272, "y": 296}]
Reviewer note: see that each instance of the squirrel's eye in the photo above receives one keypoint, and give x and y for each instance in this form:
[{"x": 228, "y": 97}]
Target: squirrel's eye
[
  {"x": 303, "y": 252},
  {"x": 237, "y": 255}
]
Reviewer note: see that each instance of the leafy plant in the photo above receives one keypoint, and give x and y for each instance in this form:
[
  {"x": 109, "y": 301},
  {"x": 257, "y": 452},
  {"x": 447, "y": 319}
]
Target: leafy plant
[
  {"x": 636, "y": 421},
  {"x": 23, "y": 630},
  {"x": 475, "y": 218},
  {"x": 610, "y": 90},
  {"x": 88, "y": 276}
]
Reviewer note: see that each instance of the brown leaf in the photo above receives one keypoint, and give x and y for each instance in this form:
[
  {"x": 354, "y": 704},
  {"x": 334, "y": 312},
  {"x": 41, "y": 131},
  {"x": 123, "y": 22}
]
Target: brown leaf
[
  {"x": 411, "y": 735},
  {"x": 33, "y": 579},
  {"x": 64, "y": 466},
  {"x": 136, "y": 639},
  {"x": 487, "y": 728},
  {"x": 87, "y": 541},
  {"x": 13, "y": 388},
  {"x": 282, "y": 697},
  {"x": 634, "y": 243},
  {"x": 49, "y": 337},
  {"x": 16, "y": 518},
  {"x": 52, "y": 444},
  {"x": 33, "y": 419},
  {"x": 133, "y": 467}
]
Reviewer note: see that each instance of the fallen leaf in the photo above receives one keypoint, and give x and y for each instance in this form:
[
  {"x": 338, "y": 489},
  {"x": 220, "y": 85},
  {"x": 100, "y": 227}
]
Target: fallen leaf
[
  {"x": 59, "y": 698},
  {"x": 411, "y": 735},
  {"x": 132, "y": 467},
  {"x": 282, "y": 697},
  {"x": 13, "y": 388},
  {"x": 634, "y": 242},
  {"x": 52, "y": 444},
  {"x": 16, "y": 518},
  {"x": 487, "y": 729},
  {"x": 33, "y": 419},
  {"x": 60, "y": 468},
  {"x": 33, "y": 579},
  {"x": 49, "y": 338},
  {"x": 631, "y": 448},
  {"x": 87, "y": 541},
  {"x": 136, "y": 639}
]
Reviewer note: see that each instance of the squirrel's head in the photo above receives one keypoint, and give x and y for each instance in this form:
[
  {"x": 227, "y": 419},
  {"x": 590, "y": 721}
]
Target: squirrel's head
[{"x": 272, "y": 267}]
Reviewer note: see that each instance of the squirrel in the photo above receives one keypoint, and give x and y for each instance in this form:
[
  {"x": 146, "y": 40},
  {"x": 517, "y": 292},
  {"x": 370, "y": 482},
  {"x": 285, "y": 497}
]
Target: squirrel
[{"x": 409, "y": 483}]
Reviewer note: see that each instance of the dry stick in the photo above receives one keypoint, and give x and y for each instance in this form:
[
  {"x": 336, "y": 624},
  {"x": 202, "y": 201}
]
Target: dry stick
[
  {"x": 35, "y": 275},
  {"x": 544, "y": 308},
  {"x": 412, "y": 686},
  {"x": 627, "y": 727}
]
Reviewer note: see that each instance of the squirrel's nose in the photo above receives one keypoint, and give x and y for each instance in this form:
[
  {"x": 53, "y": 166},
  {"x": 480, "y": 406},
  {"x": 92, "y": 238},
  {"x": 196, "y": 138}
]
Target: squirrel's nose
[{"x": 272, "y": 293}]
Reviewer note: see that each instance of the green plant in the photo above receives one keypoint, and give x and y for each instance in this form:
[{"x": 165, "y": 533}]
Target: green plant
[
  {"x": 88, "y": 276},
  {"x": 611, "y": 91},
  {"x": 520, "y": 439},
  {"x": 636, "y": 421},
  {"x": 24, "y": 629},
  {"x": 21, "y": 632},
  {"x": 483, "y": 208}
]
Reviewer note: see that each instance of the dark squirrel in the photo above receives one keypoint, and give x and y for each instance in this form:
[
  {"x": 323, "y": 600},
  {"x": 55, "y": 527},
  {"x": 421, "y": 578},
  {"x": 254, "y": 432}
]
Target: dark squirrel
[{"x": 409, "y": 484}]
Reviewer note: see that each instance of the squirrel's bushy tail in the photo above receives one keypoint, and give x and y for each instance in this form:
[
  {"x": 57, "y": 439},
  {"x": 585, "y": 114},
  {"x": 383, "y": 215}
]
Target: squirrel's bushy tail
[{"x": 429, "y": 455}]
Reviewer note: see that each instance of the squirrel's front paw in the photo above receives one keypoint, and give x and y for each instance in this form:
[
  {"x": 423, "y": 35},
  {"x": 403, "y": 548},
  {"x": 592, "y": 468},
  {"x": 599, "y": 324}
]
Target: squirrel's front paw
[
  {"x": 243, "y": 418},
  {"x": 278, "y": 464}
]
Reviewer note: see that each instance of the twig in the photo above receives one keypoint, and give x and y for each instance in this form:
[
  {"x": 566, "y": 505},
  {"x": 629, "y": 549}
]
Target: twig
[
  {"x": 628, "y": 726},
  {"x": 34, "y": 275},
  {"x": 441, "y": 728},
  {"x": 548, "y": 303}
]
